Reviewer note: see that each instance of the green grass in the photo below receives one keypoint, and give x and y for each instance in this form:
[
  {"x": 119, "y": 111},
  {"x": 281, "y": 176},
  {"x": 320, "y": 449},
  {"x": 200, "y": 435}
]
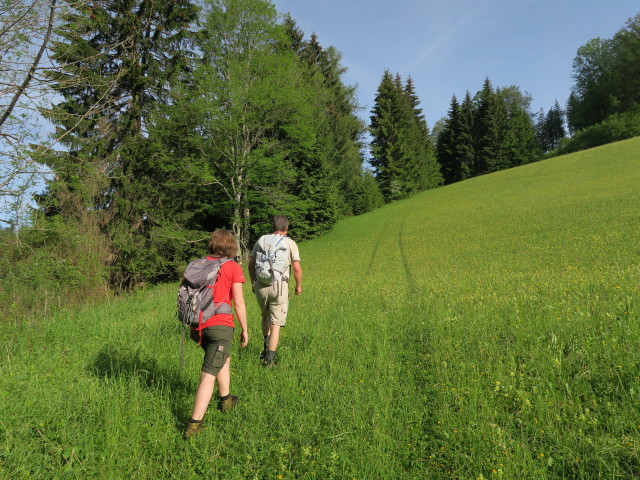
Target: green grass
[{"x": 488, "y": 329}]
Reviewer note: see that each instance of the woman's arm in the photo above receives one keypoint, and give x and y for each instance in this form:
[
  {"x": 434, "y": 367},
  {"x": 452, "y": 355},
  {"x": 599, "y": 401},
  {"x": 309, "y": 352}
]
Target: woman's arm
[{"x": 241, "y": 312}]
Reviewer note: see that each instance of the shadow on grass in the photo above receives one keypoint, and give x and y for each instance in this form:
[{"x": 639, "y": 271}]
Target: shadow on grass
[{"x": 112, "y": 362}]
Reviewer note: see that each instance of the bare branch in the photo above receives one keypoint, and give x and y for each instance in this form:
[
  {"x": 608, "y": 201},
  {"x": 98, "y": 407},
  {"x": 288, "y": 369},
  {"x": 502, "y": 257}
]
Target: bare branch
[{"x": 19, "y": 92}]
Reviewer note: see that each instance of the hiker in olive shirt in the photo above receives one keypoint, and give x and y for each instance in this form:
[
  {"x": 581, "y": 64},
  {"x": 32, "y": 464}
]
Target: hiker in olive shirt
[{"x": 274, "y": 254}]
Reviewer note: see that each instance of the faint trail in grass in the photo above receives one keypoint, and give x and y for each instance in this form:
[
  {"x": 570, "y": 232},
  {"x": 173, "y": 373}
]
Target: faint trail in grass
[
  {"x": 375, "y": 252},
  {"x": 405, "y": 260},
  {"x": 417, "y": 352}
]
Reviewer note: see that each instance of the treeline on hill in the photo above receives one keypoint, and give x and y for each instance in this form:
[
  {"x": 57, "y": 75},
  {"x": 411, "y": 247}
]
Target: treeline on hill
[
  {"x": 604, "y": 104},
  {"x": 489, "y": 132}
]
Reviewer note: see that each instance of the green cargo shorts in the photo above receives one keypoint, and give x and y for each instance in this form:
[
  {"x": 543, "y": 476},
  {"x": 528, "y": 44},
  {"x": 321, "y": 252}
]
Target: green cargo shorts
[{"x": 216, "y": 342}]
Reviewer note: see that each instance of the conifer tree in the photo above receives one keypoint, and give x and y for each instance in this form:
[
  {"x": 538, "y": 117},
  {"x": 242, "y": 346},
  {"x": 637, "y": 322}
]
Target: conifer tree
[
  {"x": 490, "y": 121},
  {"x": 342, "y": 130},
  {"x": 520, "y": 145},
  {"x": 427, "y": 173},
  {"x": 550, "y": 128},
  {"x": 117, "y": 59},
  {"x": 466, "y": 147},
  {"x": 402, "y": 154},
  {"x": 385, "y": 149},
  {"x": 446, "y": 145}
]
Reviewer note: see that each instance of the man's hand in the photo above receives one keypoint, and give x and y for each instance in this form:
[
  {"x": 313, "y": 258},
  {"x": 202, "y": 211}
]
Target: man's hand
[
  {"x": 244, "y": 338},
  {"x": 298, "y": 289}
]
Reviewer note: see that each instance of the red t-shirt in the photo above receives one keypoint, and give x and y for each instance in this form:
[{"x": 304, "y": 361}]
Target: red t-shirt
[{"x": 230, "y": 273}]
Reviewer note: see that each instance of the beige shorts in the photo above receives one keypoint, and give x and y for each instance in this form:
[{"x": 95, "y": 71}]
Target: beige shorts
[{"x": 273, "y": 307}]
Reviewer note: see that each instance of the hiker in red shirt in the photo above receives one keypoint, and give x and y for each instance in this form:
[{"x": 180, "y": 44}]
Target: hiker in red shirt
[{"x": 215, "y": 334}]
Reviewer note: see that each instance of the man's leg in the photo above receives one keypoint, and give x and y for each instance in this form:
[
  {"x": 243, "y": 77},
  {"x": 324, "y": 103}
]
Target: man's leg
[
  {"x": 266, "y": 333},
  {"x": 278, "y": 307},
  {"x": 274, "y": 337},
  {"x": 262, "y": 297}
]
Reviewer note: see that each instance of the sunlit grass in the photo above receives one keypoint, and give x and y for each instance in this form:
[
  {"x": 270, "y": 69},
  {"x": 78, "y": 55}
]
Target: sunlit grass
[{"x": 488, "y": 329}]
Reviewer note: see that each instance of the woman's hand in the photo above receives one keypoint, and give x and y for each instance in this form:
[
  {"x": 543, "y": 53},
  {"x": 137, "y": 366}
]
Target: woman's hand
[{"x": 244, "y": 338}]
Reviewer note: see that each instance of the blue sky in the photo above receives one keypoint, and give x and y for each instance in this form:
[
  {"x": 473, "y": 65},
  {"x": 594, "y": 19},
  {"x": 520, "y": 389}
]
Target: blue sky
[{"x": 451, "y": 46}]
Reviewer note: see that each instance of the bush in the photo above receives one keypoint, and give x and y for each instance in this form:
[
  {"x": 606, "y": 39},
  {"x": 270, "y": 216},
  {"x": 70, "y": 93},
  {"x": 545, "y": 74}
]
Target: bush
[
  {"x": 368, "y": 196},
  {"x": 617, "y": 127},
  {"x": 49, "y": 265}
]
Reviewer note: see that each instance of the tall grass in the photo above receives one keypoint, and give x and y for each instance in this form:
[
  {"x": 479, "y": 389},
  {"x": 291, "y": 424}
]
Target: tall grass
[{"x": 488, "y": 329}]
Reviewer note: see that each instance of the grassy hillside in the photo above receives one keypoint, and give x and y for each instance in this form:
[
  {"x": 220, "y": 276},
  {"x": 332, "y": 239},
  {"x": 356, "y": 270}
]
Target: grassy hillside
[{"x": 488, "y": 329}]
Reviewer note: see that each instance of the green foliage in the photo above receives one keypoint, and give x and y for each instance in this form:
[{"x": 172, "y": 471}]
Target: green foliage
[
  {"x": 510, "y": 355},
  {"x": 607, "y": 77},
  {"x": 172, "y": 133},
  {"x": 367, "y": 194},
  {"x": 50, "y": 264},
  {"x": 284, "y": 137},
  {"x": 616, "y": 127}
]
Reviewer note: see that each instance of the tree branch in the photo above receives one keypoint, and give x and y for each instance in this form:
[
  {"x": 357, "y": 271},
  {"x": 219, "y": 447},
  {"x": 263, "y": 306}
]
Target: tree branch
[{"x": 32, "y": 70}]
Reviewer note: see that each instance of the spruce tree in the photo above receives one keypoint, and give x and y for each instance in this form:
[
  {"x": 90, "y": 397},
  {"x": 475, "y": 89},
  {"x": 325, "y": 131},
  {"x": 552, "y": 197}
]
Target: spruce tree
[
  {"x": 427, "y": 173},
  {"x": 490, "y": 122},
  {"x": 385, "y": 148},
  {"x": 118, "y": 58},
  {"x": 466, "y": 143},
  {"x": 553, "y": 127},
  {"x": 402, "y": 153},
  {"x": 342, "y": 129},
  {"x": 446, "y": 145}
]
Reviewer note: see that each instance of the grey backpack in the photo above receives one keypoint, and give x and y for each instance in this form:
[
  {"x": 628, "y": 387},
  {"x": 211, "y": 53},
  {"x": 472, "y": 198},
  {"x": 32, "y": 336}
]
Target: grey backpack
[
  {"x": 272, "y": 259},
  {"x": 195, "y": 295}
]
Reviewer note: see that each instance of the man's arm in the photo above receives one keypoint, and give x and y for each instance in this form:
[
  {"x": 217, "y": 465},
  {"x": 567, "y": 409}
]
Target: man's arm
[{"x": 297, "y": 275}]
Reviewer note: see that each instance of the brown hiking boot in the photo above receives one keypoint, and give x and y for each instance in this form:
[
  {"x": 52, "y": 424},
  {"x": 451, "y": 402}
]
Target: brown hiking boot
[
  {"x": 193, "y": 428},
  {"x": 228, "y": 404}
]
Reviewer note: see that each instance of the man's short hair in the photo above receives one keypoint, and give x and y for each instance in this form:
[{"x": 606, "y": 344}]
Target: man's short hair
[{"x": 280, "y": 223}]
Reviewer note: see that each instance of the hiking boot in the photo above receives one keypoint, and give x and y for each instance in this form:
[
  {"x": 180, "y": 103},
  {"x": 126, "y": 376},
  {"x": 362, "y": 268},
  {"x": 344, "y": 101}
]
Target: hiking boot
[
  {"x": 265, "y": 347},
  {"x": 228, "y": 404},
  {"x": 268, "y": 363},
  {"x": 269, "y": 359},
  {"x": 193, "y": 428}
]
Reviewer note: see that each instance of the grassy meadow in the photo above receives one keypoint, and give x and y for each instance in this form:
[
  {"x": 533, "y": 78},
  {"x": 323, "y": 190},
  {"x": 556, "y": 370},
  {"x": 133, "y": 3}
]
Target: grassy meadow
[{"x": 488, "y": 329}]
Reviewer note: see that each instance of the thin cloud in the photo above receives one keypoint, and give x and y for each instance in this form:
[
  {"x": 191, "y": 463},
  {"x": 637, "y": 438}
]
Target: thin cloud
[{"x": 439, "y": 45}]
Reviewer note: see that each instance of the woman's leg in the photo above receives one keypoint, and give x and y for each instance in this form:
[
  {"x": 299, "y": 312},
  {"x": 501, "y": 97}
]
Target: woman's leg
[
  {"x": 224, "y": 379},
  {"x": 203, "y": 395}
]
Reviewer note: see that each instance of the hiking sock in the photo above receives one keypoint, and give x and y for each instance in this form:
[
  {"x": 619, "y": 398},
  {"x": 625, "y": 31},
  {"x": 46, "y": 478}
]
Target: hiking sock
[
  {"x": 266, "y": 342},
  {"x": 226, "y": 397},
  {"x": 191, "y": 420}
]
